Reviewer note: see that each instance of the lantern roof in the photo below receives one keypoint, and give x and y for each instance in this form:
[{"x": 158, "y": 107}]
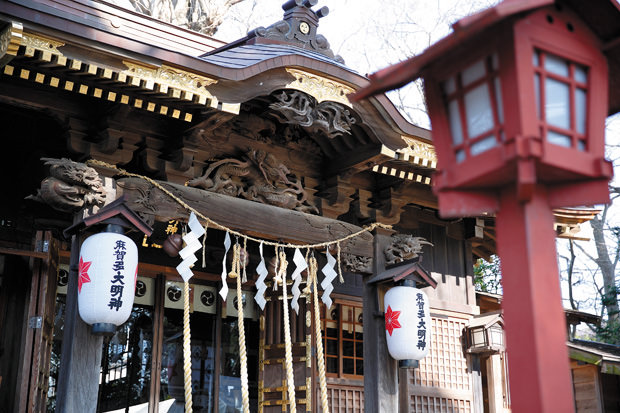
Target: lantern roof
[
  {"x": 602, "y": 16},
  {"x": 115, "y": 213},
  {"x": 410, "y": 269},
  {"x": 486, "y": 320}
]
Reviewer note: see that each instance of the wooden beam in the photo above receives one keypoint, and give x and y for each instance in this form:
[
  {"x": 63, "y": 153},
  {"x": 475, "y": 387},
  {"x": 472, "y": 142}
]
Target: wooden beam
[
  {"x": 24, "y": 253},
  {"x": 251, "y": 218}
]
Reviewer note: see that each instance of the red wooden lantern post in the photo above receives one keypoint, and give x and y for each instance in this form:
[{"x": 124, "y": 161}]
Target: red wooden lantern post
[{"x": 517, "y": 97}]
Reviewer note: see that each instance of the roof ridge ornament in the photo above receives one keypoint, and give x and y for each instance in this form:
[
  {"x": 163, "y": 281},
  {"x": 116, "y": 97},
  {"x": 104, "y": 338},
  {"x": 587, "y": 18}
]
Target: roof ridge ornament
[{"x": 298, "y": 27}]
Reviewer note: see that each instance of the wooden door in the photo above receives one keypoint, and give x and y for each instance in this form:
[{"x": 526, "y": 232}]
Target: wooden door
[
  {"x": 272, "y": 388},
  {"x": 40, "y": 328}
]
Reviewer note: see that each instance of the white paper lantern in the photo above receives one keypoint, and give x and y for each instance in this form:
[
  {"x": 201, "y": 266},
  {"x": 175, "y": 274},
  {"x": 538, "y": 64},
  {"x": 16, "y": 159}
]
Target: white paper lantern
[
  {"x": 407, "y": 323},
  {"x": 107, "y": 276}
]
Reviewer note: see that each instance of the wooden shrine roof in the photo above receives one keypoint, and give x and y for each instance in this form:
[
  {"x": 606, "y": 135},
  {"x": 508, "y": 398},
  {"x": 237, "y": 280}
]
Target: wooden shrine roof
[
  {"x": 101, "y": 48},
  {"x": 252, "y": 54}
]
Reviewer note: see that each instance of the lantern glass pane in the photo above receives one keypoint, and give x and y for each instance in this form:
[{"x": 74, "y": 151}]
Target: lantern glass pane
[
  {"x": 455, "y": 122},
  {"x": 483, "y": 145},
  {"x": 581, "y": 145},
  {"x": 498, "y": 99},
  {"x": 449, "y": 86},
  {"x": 460, "y": 155},
  {"x": 478, "y": 111},
  {"x": 537, "y": 92},
  {"x": 478, "y": 337},
  {"x": 497, "y": 335},
  {"x": 495, "y": 61},
  {"x": 558, "y": 139},
  {"x": 556, "y": 65},
  {"x": 473, "y": 73},
  {"x": 581, "y": 75},
  {"x": 580, "y": 110},
  {"x": 557, "y": 103},
  {"x": 536, "y": 59}
]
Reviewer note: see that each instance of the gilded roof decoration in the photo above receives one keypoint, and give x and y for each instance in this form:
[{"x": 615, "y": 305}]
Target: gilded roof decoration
[
  {"x": 41, "y": 43},
  {"x": 10, "y": 39},
  {"x": 171, "y": 77},
  {"x": 422, "y": 153},
  {"x": 319, "y": 87}
]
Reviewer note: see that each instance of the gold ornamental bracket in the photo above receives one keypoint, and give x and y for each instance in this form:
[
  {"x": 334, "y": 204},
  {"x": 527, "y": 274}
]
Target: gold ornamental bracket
[
  {"x": 136, "y": 84},
  {"x": 416, "y": 154},
  {"x": 10, "y": 40},
  {"x": 319, "y": 87}
]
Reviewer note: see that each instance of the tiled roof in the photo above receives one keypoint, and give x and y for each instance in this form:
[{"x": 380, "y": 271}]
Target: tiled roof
[{"x": 248, "y": 55}]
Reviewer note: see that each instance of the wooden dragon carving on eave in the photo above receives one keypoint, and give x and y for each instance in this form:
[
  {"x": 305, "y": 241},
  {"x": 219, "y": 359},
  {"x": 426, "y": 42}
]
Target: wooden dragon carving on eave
[
  {"x": 259, "y": 177},
  {"x": 329, "y": 118},
  {"x": 70, "y": 186},
  {"x": 404, "y": 247}
]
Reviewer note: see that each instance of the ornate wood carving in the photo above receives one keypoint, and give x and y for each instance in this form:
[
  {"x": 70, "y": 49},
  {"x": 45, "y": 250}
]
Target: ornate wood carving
[
  {"x": 299, "y": 28},
  {"x": 298, "y": 108},
  {"x": 70, "y": 186},
  {"x": 357, "y": 264},
  {"x": 259, "y": 177},
  {"x": 404, "y": 247},
  {"x": 319, "y": 87}
]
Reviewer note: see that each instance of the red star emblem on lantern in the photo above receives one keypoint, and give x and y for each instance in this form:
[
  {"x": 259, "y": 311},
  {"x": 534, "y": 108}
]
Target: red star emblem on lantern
[
  {"x": 83, "y": 273},
  {"x": 391, "y": 320}
]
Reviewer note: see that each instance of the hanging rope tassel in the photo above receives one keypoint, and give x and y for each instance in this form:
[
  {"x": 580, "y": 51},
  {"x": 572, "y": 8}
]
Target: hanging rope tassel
[
  {"x": 319, "y": 339},
  {"x": 187, "y": 351},
  {"x": 340, "y": 277},
  {"x": 288, "y": 352},
  {"x": 236, "y": 273}
]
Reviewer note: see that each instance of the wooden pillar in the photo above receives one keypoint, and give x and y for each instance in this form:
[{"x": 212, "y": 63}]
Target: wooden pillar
[
  {"x": 495, "y": 383},
  {"x": 380, "y": 370},
  {"x": 78, "y": 378},
  {"x": 476, "y": 375},
  {"x": 540, "y": 379}
]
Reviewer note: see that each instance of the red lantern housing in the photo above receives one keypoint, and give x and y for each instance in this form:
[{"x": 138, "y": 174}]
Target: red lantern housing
[
  {"x": 517, "y": 97},
  {"x": 543, "y": 69}
]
